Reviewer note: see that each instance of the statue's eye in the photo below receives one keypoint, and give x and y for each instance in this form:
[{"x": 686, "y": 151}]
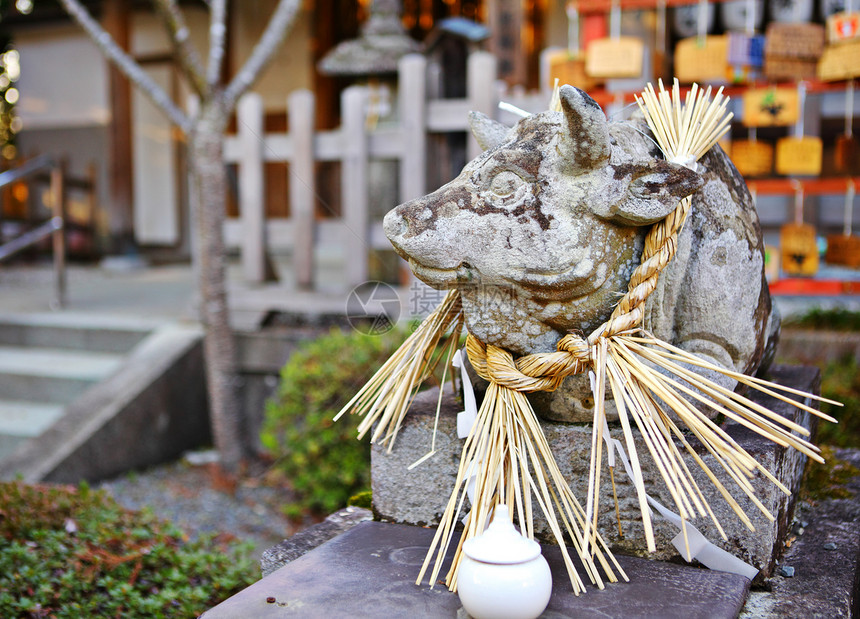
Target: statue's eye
[{"x": 506, "y": 183}]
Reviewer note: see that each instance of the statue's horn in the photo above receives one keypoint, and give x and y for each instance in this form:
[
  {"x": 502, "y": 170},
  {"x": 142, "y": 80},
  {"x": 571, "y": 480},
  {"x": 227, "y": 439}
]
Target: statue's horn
[{"x": 585, "y": 141}]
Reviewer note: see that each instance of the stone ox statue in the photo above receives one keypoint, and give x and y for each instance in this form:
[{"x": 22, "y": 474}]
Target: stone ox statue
[{"x": 542, "y": 231}]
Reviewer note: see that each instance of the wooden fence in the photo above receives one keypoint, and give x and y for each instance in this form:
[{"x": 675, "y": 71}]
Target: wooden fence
[{"x": 354, "y": 146}]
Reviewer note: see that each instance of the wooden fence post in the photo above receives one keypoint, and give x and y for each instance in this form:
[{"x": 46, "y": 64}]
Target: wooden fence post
[
  {"x": 480, "y": 91},
  {"x": 354, "y": 184},
  {"x": 412, "y": 70},
  {"x": 251, "y": 187},
  {"x": 302, "y": 184},
  {"x": 412, "y": 86}
]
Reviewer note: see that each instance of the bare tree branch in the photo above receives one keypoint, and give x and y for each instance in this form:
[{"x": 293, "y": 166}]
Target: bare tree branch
[
  {"x": 274, "y": 35},
  {"x": 217, "y": 33},
  {"x": 180, "y": 38},
  {"x": 126, "y": 64}
]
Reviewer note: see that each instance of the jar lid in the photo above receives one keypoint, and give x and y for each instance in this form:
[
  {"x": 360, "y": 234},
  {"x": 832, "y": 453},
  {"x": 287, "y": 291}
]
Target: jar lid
[{"x": 501, "y": 543}]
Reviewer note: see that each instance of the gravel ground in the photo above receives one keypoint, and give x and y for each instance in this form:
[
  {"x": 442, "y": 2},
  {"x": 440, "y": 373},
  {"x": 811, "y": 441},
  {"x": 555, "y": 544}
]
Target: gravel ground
[{"x": 193, "y": 495}]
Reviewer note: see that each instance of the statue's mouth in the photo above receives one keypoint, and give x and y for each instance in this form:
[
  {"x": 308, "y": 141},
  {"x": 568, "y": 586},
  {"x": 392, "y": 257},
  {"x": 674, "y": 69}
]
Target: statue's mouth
[
  {"x": 570, "y": 282},
  {"x": 438, "y": 277},
  {"x": 560, "y": 285}
]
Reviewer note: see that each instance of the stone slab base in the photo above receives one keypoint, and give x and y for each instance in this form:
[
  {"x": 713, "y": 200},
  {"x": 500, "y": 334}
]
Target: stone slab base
[
  {"x": 370, "y": 571},
  {"x": 306, "y": 540},
  {"x": 419, "y": 496},
  {"x": 822, "y": 558}
]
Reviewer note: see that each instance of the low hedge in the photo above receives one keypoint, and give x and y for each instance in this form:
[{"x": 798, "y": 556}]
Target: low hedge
[
  {"x": 74, "y": 552},
  {"x": 321, "y": 460}
]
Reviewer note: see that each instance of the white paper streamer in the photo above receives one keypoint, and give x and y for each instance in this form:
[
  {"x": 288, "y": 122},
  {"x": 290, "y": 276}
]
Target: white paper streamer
[
  {"x": 465, "y": 421},
  {"x": 513, "y": 109},
  {"x": 705, "y": 552}
]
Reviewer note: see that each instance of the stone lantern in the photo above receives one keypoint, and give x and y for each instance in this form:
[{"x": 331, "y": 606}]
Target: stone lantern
[
  {"x": 371, "y": 60},
  {"x": 375, "y": 52}
]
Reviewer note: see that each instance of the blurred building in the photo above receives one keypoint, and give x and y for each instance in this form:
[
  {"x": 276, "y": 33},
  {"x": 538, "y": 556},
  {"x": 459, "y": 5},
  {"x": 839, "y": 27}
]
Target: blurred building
[{"x": 74, "y": 104}]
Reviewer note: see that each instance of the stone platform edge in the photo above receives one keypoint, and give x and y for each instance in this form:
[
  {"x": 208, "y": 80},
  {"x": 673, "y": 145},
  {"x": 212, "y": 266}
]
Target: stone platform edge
[
  {"x": 824, "y": 556},
  {"x": 306, "y": 540}
]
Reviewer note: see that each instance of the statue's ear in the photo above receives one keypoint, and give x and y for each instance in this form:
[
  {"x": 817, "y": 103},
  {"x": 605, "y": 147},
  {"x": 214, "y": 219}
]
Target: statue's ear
[
  {"x": 653, "y": 191},
  {"x": 489, "y": 133}
]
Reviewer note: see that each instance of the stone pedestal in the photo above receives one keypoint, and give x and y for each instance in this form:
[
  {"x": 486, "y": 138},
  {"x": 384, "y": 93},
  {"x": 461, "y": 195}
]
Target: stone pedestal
[{"x": 419, "y": 496}]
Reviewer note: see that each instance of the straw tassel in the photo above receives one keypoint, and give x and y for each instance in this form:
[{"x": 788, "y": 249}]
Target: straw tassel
[{"x": 386, "y": 397}]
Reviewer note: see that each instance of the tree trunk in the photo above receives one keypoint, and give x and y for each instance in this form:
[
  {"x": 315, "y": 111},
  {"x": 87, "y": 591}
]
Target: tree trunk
[
  {"x": 209, "y": 178},
  {"x": 208, "y": 184},
  {"x": 121, "y": 218}
]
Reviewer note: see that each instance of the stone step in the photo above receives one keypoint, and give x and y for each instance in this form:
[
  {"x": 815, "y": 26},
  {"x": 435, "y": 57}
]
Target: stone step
[
  {"x": 48, "y": 389},
  {"x": 103, "y": 334},
  {"x": 9, "y": 443},
  {"x": 49, "y": 360},
  {"x": 21, "y": 420},
  {"x": 26, "y": 419},
  {"x": 156, "y": 391},
  {"x": 57, "y": 362},
  {"x": 51, "y": 375}
]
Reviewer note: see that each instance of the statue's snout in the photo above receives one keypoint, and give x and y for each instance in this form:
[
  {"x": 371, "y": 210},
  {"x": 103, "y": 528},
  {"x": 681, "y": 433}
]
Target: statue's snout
[{"x": 394, "y": 225}]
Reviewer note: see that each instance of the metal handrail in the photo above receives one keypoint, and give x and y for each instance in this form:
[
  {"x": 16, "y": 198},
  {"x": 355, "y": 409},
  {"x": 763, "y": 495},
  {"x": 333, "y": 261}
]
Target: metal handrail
[
  {"x": 36, "y": 164},
  {"x": 53, "y": 227}
]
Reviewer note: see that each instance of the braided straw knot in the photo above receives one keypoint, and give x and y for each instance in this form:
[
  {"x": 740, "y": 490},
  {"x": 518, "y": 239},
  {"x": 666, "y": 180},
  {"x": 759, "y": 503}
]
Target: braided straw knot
[{"x": 538, "y": 372}]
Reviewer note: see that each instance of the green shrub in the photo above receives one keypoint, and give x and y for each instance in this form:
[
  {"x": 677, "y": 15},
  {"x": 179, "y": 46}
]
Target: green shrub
[
  {"x": 321, "y": 459},
  {"x": 362, "y": 499},
  {"x": 73, "y": 553},
  {"x": 828, "y": 480},
  {"x": 838, "y": 319},
  {"x": 840, "y": 381}
]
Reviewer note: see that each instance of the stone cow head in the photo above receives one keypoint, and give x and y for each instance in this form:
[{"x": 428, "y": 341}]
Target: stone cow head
[{"x": 543, "y": 230}]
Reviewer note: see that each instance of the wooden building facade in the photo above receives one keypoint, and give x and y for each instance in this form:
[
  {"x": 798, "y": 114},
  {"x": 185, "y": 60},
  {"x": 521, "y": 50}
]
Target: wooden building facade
[{"x": 75, "y": 105}]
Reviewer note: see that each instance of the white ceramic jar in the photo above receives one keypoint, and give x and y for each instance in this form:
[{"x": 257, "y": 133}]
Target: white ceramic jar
[{"x": 503, "y": 574}]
